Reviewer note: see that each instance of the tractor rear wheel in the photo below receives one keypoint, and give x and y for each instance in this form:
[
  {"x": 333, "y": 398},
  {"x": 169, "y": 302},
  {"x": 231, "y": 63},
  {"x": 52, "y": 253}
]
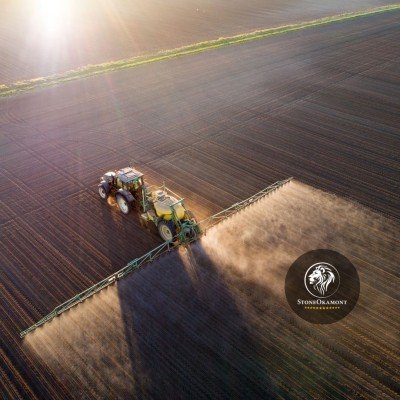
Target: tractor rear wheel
[
  {"x": 123, "y": 204},
  {"x": 167, "y": 230}
]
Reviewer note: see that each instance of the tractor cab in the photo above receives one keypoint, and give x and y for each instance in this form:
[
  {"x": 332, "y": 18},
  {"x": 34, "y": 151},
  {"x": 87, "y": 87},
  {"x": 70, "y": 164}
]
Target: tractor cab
[
  {"x": 125, "y": 184},
  {"x": 128, "y": 179}
]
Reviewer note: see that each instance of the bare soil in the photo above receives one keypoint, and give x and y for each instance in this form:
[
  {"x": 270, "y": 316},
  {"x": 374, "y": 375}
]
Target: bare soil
[{"x": 321, "y": 105}]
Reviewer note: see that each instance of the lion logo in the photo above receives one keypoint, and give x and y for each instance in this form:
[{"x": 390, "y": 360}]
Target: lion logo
[{"x": 321, "y": 276}]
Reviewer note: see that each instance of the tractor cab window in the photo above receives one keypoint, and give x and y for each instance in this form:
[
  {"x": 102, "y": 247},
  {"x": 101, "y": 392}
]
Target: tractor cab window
[{"x": 133, "y": 185}]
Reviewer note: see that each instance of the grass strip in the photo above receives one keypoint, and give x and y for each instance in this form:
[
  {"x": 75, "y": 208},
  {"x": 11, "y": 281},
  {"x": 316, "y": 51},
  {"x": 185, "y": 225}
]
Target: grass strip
[{"x": 96, "y": 69}]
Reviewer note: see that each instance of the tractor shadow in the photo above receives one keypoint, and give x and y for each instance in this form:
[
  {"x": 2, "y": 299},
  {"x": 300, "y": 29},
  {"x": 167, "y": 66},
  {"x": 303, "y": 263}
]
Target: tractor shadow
[
  {"x": 186, "y": 335},
  {"x": 124, "y": 237}
]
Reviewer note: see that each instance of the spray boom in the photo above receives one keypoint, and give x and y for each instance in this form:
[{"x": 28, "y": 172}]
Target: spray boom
[{"x": 153, "y": 254}]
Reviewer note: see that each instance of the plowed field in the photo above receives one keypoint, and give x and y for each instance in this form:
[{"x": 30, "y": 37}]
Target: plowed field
[{"x": 321, "y": 105}]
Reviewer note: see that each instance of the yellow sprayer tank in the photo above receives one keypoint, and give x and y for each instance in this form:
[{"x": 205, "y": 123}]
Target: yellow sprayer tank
[{"x": 162, "y": 205}]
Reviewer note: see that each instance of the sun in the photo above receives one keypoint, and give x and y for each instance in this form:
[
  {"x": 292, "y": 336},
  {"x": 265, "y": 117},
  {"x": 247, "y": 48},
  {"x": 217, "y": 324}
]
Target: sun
[{"x": 52, "y": 15}]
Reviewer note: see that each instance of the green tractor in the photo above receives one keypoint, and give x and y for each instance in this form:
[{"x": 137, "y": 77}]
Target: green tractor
[{"x": 156, "y": 204}]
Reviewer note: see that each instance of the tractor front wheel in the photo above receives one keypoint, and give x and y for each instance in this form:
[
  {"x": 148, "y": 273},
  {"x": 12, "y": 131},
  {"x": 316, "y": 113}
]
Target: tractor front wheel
[
  {"x": 103, "y": 192},
  {"x": 167, "y": 230},
  {"x": 123, "y": 204}
]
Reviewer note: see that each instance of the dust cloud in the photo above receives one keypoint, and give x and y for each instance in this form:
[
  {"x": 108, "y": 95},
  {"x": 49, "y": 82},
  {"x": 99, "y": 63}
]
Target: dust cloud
[
  {"x": 260, "y": 243},
  {"x": 85, "y": 345}
]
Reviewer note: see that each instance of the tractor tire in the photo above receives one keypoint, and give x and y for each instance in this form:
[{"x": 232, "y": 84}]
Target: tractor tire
[
  {"x": 123, "y": 204},
  {"x": 167, "y": 230},
  {"x": 189, "y": 234},
  {"x": 104, "y": 191}
]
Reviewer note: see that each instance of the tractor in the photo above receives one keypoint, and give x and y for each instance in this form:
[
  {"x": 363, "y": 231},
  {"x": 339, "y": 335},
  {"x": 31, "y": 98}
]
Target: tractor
[{"x": 158, "y": 205}]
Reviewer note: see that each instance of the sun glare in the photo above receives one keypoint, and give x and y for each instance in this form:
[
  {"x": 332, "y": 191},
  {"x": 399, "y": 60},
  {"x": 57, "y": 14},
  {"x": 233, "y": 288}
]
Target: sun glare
[{"x": 52, "y": 15}]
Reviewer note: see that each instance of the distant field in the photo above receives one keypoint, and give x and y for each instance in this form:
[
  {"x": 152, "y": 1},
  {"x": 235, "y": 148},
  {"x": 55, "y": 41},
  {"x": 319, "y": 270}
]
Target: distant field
[
  {"x": 320, "y": 105},
  {"x": 194, "y": 48},
  {"x": 38, "y": 39}
]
